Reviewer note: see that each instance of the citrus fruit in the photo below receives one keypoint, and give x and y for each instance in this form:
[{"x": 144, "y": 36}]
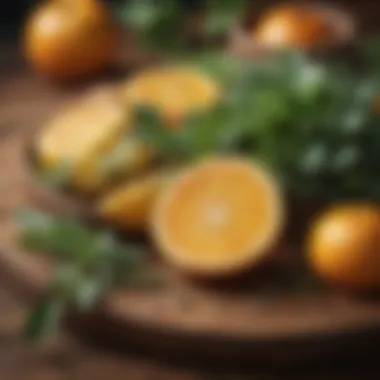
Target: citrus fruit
[
  {"x": 219, "y": 217},
  {"x": 293, "y": 26},
  {"x": 173, "y": 91},
  {"x": 67, "y": 39},
  {"x": 83, "y": 135},
  {"x": 344, "y": 246},
  {"x": 129, "y": 206}
]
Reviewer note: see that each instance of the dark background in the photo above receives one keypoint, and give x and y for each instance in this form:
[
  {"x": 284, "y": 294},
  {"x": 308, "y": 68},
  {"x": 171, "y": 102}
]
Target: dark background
[{"x": 14, "y": 12}]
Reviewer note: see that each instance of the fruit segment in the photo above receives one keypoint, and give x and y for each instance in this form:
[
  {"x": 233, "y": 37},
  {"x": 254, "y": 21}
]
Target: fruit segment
[
  {"x": 129, "y": 206},
  {"x": 81, "y": 135},
  {"x": 219, "y": 217},
  {"x": 173, "y": 91}
]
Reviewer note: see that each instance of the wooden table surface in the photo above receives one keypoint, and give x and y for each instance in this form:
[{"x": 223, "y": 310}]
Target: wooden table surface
[{"x": 71, "y": 358}]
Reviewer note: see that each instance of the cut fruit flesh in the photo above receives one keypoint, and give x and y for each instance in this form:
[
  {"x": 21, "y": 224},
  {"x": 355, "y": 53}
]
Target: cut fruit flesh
[
  {"x": 129, "y": 205},
  {"x": 85, "y": 135},
  {"x": 82, "y": 128},
  {"x": 173, "y": 91},
  {"x": 219, "y": 217}
]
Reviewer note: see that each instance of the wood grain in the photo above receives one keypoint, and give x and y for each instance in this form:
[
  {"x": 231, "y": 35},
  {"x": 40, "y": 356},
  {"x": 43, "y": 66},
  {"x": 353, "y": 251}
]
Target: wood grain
[{"x": 260, "y": 316}]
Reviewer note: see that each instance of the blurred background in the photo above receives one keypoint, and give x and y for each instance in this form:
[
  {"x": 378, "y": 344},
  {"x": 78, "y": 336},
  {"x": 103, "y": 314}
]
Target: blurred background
[
  {"x": 12, "y": 15},
  {"x": 69, "y": 358}
]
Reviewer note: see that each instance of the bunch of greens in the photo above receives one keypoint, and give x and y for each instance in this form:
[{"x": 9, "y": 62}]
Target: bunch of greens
[
  {"x": 165, "y": 25},
  {"x": 313, "y": 123},
  {"x": 86, "y": 264}
]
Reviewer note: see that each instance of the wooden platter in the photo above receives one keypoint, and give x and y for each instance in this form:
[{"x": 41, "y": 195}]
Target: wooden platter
[{"x": 257, "y": 317}]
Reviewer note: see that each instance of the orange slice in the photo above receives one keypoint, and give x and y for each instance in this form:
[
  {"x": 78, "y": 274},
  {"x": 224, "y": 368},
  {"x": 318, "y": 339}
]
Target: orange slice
[
  {"x": 219, "y": 217},
  {"x": 129, "y": 205},
  {"x": 92, "y": 132},
  {"x": 81, "y": 134},
  {"x": 83, "y": 126},
  {"x": 173, "y": 91}
]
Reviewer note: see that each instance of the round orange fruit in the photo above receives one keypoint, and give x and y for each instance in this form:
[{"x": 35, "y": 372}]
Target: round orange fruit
[
  {"x": 219, "y": 217},
  {"x": 68, "y": 39},
  {"x": 344, "y": 246},
  {"x": 293, "y": 26},
  {"x": 173, "y": 91}
]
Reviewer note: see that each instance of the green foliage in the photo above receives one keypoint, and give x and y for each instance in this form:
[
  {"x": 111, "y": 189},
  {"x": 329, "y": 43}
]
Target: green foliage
[
  {"x": 222, "y": 15},
  {"x": 312, "y": 122},
  {"x": 60, "y": 176},
  {"x": 158, "y": 23},
  {"x": 161, "y": 24},
  {"x": 86, "y": 265},
  {"x": 45, "y": 318}
]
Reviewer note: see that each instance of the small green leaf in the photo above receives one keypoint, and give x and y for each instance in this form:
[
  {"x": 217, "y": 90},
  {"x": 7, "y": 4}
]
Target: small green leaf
[
  {"x": 86, "y": 264},
  {"x": 121, "y": 161},
  {"x": 152, "y": 130},
  {"x": 221, "y": 16},
  {"x": 345, "y": 158},
  {"x": 59, "y": 176},
  {"x": 89, "y": 292},
  {"x": 140, "y": 14},
  {"x": 32, "y": 219},
  {"x": 65, "y": 280},
  {"x": 44, "y": 320},
  {"x": 314, "y": 159},
  {"x": 222, "y": 67},
  {"x": 370, "y": 48}
]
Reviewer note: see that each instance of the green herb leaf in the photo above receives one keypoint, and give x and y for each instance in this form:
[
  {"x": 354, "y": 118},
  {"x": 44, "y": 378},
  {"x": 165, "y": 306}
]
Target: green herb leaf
[
  {"x": 86, "y": 265},
  {"x": 44, "y": 320},
  {"x": 59, "y": 176},
  {"x": 140, "y": 14},
  {"x": 151, "y": 130},
  {"x": 158, "y": 23},
  {"x": 221, "y": 16},
  {"x": 89, "y": 293}
]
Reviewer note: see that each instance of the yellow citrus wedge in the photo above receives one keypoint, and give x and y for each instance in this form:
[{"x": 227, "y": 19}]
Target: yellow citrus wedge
[
  {"x": 218, "y": 218},
  {"x": 84, "y": 135},
  {"x": 173, "y": 91},
  {"x": 129, "y": 206}
]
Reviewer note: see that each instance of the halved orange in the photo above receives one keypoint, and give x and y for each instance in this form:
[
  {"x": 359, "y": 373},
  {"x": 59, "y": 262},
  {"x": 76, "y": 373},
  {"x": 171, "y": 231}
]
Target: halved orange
[
  {"x": 220, "y": 217},
  {"x": 173, "y": 91}
]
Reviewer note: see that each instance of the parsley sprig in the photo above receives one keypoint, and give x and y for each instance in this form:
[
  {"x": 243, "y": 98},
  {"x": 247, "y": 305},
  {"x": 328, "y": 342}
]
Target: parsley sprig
[
  {"x": 313, "y": 122},
  {"x": 86, "y": 265},
  {"x": 161, "y": 25}
]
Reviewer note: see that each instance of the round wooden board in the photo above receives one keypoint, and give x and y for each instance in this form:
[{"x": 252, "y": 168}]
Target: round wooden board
[{"x": 257, "y": 317}]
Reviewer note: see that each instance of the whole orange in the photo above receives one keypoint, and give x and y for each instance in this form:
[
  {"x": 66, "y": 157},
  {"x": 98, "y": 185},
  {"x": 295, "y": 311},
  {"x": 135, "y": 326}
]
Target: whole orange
[
  {"x": 68, "y": 39},
  {"x": 293, "y": 26},
  {"x": 344, "y": 246}
]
